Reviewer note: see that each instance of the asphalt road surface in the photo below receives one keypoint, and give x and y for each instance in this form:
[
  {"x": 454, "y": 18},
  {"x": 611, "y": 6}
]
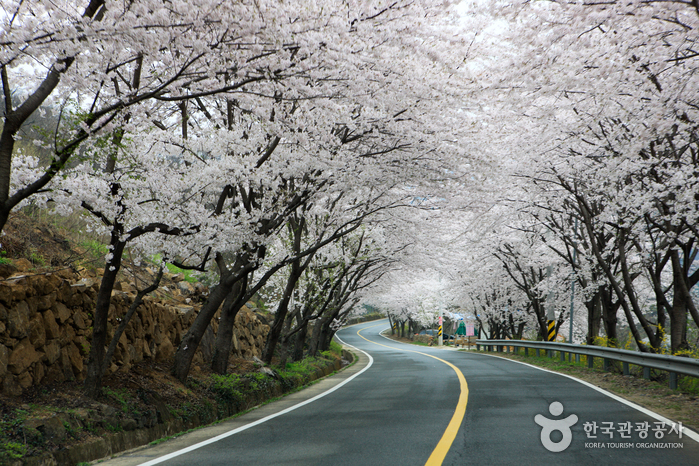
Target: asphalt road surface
[{"x": 409, "y": 405}]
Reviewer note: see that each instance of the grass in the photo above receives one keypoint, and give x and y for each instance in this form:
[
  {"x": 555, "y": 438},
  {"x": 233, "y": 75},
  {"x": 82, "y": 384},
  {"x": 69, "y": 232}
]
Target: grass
[
  {"x": 420, "y": 343},
  {"x": 658, "y": 383},
  {"x": 113, "y": 428},
  {"x": 188, "y": 274},
  {"x": 12, "y": 450},
  {"x": 234, "y": 387},
  {"x": 120, "y": 395},
  {"x": 655, "y": 394},
  {"x": 37, "y": 259},
  {"x": 689, "y": 385},
  {"x": 94, "y": 247}
]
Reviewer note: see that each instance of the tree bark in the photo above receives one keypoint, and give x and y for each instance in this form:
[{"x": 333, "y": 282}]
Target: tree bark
[
  {"x": 594, "y": 318},
  {"x": 138, "y": 299},
  {"x": 14, "y": 118},
  {"x": 280, "y": 315},
  {"x": 190, "y": 342},
  {"x": 678, "y": 312},
  {"x": 296, "y": 227},
  {"x": 222, "y": 346},
  {"x": 93, "y": 380},
  {"x": 300, "y": 342}
]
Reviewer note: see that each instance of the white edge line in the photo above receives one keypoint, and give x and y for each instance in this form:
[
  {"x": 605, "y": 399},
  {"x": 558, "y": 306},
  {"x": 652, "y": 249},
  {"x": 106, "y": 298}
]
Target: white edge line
[
  {"x": 685, "y": 431},
  {"x": 263, "y": 420}
]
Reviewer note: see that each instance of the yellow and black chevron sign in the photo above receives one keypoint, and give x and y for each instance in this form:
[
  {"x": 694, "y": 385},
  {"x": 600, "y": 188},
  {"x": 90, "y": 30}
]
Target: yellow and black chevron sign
[
  {"x": 552, "y": 330},
  {"x": 439, "y": 334}
]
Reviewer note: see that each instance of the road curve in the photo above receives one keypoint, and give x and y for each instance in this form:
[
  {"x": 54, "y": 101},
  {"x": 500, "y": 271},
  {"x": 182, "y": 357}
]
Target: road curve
[{"x": 402, "y": 404}]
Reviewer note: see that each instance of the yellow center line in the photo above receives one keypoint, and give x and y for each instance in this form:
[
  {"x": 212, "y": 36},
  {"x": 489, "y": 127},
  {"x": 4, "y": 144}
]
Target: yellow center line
[{"x": 442, "y": 448}]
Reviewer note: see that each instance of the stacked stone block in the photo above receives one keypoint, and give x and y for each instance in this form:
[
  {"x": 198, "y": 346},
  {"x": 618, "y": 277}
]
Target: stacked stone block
[{"x": 46, "y": 329}]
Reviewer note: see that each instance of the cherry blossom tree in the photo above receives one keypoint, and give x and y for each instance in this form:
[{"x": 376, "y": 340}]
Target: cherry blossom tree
[{"x": 604, "y": 91}]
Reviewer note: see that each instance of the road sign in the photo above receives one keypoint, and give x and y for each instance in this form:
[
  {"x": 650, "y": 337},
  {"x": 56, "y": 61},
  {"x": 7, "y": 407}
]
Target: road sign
[{"x": 470, "y": 330}]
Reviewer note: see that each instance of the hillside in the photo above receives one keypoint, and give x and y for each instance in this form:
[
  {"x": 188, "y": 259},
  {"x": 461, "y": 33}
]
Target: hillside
[{"x": 48, "y": 282}]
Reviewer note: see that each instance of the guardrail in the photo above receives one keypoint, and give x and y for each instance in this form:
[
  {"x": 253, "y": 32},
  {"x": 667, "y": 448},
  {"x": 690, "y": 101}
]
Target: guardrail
[{"x": 672, "y": 364}]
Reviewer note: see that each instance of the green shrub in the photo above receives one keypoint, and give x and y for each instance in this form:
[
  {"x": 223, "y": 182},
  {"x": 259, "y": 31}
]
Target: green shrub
[
  {"x": 115, "y": 429},
  {"x": 12, "y": 450},
  {"x": 188, "y": 274},
  {"x": 37, "y": 258},
  {"x": 689, "y": 384},
  {"x": 120, "y": 395},
  {"x": 227, "y": 387},
  {"x": 94, "y": 247}
]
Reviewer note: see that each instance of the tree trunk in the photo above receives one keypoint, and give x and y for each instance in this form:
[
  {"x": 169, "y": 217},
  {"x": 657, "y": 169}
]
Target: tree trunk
[
  {"x": 300, "y": 342},
  {"x": 138, "y": 300},
  {"x": 93, "y": 380},
  {"x": 609, "y": 318},
  {"x": 327, "y": 336},
  {"x": 594, "y": 318},
  {"x": 280, "y": 316},
  {"x": 678, "y": 312},
  {"x": 652, "y": 333},
  {"x": 596, "y": 248},
  {"x": 284, "y": 349},
  {"x": 222, "y": 346},
  {"x": 296, "y": 227},
  {"x": 326, "y": 331},
  {"x": 315, "y": 338},
  {"x": 15, "y": 117},
  {"x": 190, "y": 342},
  {"x": 540, "y": 313}
]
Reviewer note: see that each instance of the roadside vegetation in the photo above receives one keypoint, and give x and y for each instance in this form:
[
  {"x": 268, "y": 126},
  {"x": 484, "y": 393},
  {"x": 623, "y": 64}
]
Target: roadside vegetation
[
  {"x": 679, "y": 405},
  {"x": 54, "y": 418}
]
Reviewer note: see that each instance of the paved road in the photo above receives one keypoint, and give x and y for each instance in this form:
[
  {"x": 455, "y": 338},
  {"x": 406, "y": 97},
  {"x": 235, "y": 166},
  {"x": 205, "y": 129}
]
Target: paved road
[{"x": 399, "y": 405}]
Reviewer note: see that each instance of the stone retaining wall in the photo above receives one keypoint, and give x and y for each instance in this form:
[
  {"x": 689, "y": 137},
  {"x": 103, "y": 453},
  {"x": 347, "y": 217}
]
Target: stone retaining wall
[
  {"x": 46, "y": 329},
  {"x": 164, "y": 424}
]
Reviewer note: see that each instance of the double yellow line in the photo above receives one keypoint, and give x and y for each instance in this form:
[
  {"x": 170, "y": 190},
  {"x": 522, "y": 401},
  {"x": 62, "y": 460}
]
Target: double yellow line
[{"x": 442, "y": 448}]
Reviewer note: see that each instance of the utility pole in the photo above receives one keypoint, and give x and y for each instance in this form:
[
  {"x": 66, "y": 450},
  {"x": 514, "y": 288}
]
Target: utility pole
[
  {"x": 572, "y": 287},
  {"x": 440, "y": 338},
  {"x": 550, "y": 311}
]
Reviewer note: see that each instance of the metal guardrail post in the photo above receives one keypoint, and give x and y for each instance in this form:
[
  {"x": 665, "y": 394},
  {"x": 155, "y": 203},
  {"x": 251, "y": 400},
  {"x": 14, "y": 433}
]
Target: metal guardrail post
[
  {"x": 537, "y": 353},
  {"x": 590, "y": 362},
  {"x": 646, "y": 373},
  {"x": 607, "y": 364},
  {"x": 673, "y": 380},
  {"x": 563, "y": 356},
  {"x": 577, "y": 358},
  {"x": 625, "y": 365}
]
